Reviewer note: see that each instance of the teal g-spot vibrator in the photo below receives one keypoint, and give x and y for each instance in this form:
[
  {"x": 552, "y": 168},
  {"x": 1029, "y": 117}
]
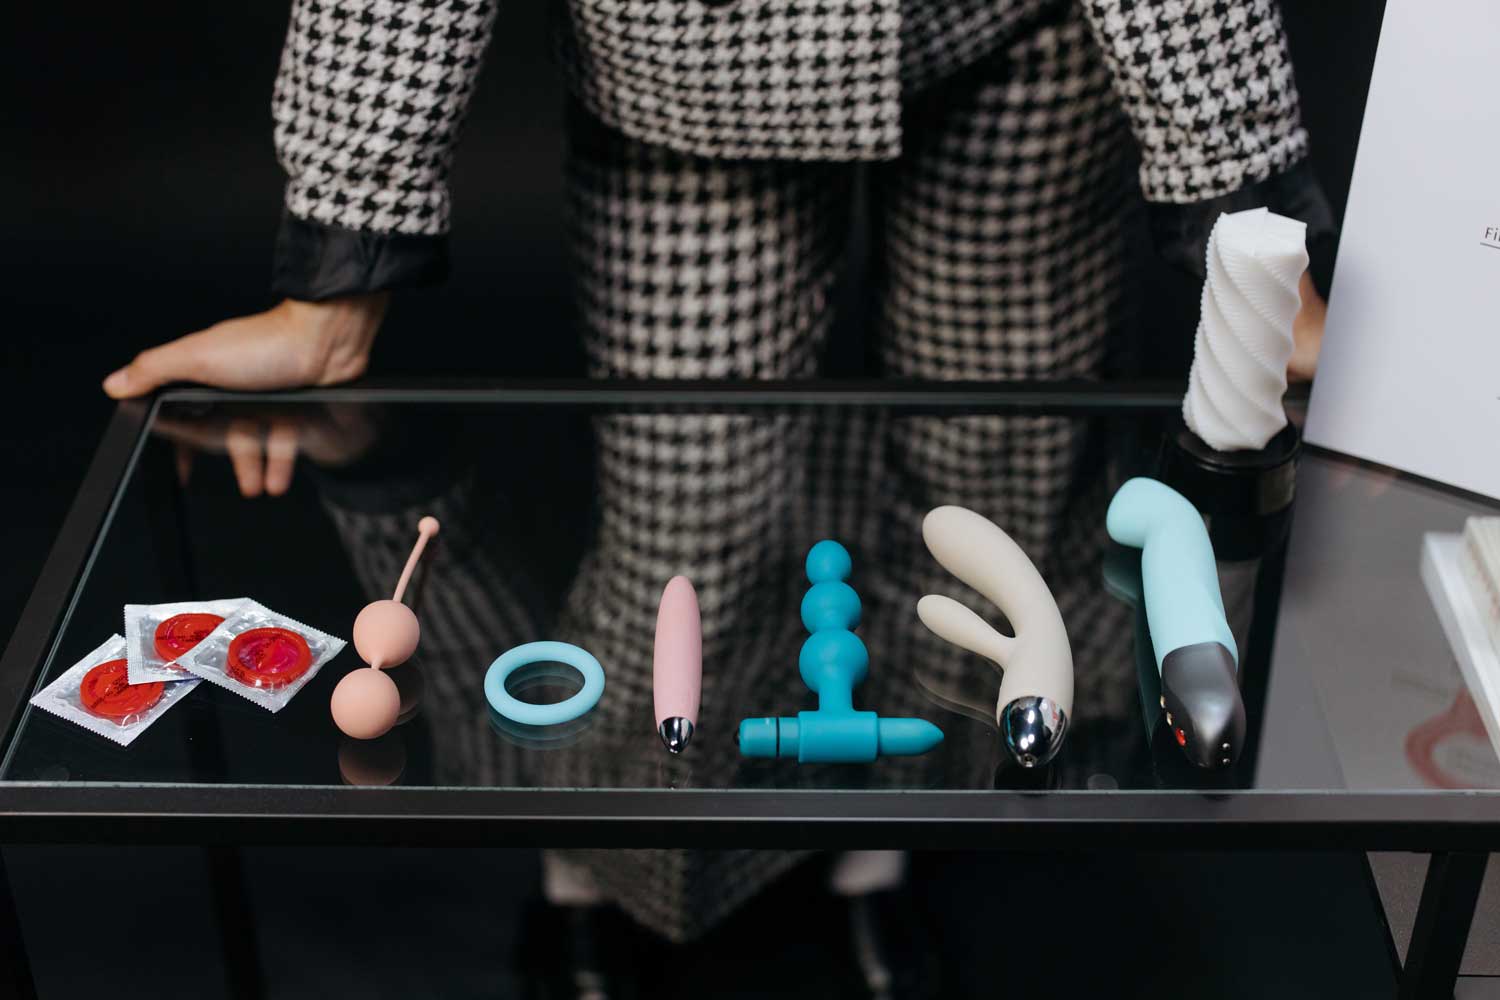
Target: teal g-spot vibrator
[
  {"x": 1195, "y": 651},
  {"x": 832, "y": 662}
]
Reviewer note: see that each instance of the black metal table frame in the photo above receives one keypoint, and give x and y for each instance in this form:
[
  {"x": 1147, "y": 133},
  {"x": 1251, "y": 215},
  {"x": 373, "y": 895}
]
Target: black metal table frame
[{"x": 1456, "y": 829}]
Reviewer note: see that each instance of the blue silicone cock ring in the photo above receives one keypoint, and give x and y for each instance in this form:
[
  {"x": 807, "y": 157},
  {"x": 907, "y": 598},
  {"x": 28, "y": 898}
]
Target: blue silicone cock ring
[{"x": 527, "y": 714}]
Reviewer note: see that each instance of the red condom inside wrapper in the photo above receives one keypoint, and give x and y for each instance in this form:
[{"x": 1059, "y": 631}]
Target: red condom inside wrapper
[
  {"x": 268, "y": 657},
  {"x": 106, "y": 691},
  {"x": 180, "y": 633}
]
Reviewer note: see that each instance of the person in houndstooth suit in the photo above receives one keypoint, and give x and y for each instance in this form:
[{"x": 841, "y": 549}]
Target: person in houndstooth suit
[{"x": 996, "y": 128}]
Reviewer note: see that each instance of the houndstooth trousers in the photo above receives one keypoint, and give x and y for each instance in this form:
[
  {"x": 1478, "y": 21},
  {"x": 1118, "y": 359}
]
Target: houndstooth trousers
[
  {"x": 999, "y": 233},
  {"x": 999, "y": 239}
]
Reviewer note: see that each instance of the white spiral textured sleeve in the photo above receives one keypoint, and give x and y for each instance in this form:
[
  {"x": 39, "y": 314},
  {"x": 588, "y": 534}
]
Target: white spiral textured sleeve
[{"x": 1255, "y": 260}]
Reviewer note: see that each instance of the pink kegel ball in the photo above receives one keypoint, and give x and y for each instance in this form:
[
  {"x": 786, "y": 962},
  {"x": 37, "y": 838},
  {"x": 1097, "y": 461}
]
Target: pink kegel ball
[
  {"x": 386, "y": 633},
  {"x": 365, "y": 704}
]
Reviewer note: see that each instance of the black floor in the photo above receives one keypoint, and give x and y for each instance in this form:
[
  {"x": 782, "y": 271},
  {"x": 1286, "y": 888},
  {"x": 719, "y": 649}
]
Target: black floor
[{"x": 408, "y": 923}]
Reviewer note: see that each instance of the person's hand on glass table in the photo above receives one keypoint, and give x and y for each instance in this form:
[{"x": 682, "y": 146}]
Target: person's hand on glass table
[{"x": 292, "y": 345}]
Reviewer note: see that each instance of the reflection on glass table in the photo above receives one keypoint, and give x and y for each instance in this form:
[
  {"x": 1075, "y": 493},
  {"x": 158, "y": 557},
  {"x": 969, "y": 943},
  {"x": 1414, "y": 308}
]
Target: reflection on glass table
[{"x": 565, "y": 521}]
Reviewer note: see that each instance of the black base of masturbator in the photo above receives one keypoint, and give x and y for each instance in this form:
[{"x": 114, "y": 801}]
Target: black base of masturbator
[
  {"x": 1246, "y": 495},
  {"x": 1240, "y": 483}
]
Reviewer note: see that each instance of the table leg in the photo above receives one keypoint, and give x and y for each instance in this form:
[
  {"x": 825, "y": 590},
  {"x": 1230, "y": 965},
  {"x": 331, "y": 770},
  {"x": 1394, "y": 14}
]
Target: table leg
[
  {"x": 15, "y": 964},
  {"x": 236, "y": 924},
  {"x": 1442, "y": 926}
]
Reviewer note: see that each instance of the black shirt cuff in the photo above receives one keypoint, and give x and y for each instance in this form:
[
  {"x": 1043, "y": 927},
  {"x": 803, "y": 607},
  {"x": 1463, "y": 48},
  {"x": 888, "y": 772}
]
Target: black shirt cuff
[
  {"x": 1181, "y": 231},
  {"x": 315, "y": 262}
]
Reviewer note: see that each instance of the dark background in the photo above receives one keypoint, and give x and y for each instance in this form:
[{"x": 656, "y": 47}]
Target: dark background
[{"x": 141, "y": 200}]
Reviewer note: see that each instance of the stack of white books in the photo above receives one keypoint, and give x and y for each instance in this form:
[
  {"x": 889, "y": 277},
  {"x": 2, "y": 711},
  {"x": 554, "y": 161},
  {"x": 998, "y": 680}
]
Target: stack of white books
[
  {"x": 1462, "y": 574},
  {"x": 1481, "y": 565}
]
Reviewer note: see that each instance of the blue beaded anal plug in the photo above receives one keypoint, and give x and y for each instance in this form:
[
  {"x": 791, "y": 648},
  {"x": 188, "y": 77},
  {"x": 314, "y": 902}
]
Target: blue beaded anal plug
[{"x": 832, "y": 662}]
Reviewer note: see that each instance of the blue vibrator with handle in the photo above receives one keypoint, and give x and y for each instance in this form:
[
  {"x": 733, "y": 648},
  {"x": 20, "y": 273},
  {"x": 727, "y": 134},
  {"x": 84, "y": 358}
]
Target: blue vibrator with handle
[
  {"x": 832, "y": 662},
  {"x": 1195, "y": 651}
]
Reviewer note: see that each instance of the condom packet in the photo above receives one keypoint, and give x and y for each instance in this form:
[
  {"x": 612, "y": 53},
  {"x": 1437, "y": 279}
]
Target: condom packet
[
  {"x": 96, "y": 694},
  {"x": 261, "y": 655},
  {"x": 158, "y": 635}
]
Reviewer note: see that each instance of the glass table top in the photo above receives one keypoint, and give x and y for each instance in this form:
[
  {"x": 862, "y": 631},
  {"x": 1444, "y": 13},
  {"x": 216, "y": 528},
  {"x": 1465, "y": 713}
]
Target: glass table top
[{"x": 564, "y": 515}]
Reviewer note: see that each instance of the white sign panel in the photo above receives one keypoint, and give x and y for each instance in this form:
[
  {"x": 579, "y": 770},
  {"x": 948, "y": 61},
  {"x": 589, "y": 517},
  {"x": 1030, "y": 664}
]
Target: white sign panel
[{"x": 1410, "y": 371}]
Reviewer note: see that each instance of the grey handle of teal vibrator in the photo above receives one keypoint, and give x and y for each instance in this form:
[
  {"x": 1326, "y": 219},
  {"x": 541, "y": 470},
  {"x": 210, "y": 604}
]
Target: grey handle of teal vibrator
[{"x": 1036, "y": 693}]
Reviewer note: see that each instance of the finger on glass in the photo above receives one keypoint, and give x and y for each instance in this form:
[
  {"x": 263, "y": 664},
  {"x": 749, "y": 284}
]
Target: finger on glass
[
  {"x": 281, "y": 455},
  {"x": 243, "y": 442}
]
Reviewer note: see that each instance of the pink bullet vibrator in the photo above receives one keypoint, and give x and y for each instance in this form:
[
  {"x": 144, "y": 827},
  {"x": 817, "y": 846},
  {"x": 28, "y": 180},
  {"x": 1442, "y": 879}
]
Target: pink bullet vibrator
[{"x": 677, "y": 669}]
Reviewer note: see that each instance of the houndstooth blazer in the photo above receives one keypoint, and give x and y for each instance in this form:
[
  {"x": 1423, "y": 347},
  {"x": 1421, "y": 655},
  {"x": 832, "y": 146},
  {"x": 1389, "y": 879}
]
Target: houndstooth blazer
[{"x": 371, "y": 94}]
